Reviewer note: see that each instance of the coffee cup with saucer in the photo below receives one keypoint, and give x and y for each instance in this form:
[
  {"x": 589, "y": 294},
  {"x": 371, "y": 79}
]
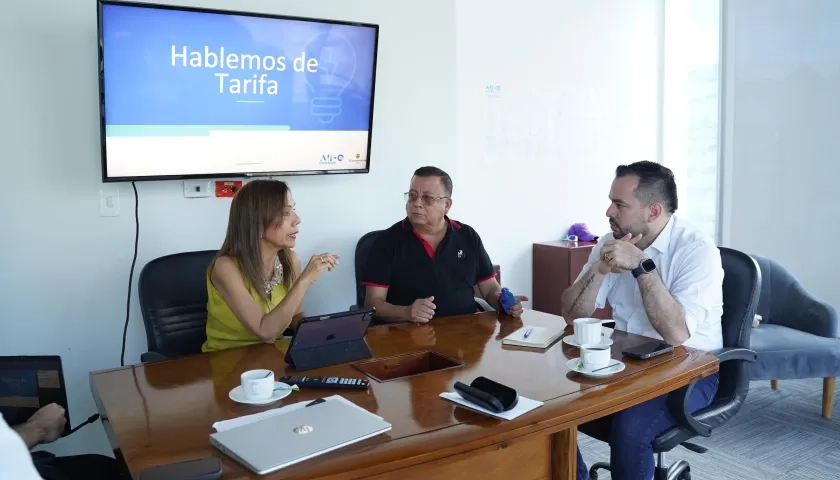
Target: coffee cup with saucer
[
  {"x": 588, "y": 330},
  {"x": 595, "y": 361},
  {"x": 257, "y": 387}
]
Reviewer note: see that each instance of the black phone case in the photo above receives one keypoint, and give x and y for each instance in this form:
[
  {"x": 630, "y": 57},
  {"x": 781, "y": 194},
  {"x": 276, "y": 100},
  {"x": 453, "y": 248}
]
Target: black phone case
[
  {"x": 478, "y": 397},
  {"x": 478, "y": 392}
]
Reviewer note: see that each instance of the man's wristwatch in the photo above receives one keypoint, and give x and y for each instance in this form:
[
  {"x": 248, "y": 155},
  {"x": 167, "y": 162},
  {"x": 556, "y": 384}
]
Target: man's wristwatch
[{"x": 645, "y": 266}]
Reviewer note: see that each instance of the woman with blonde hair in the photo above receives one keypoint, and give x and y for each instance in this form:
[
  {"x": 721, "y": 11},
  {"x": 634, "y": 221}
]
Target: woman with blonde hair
[{"x": 255, "y": 285}]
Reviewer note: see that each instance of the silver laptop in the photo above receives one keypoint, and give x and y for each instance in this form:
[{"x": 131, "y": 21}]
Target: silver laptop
[{"x": 282, "y": 440}]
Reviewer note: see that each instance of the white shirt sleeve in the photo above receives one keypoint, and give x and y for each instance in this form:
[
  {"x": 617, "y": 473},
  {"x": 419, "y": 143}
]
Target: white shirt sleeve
[
  {"x": 594, "y": 257},
  {"x": 698, "y": 284},
  {"x": 15, "y": 459}
]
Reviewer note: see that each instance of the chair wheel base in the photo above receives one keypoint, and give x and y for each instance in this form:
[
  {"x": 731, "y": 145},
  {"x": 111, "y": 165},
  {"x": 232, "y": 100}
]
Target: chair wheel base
[
  {"x": 593, "y": 471},
  {"x": 677, "y": 471}
]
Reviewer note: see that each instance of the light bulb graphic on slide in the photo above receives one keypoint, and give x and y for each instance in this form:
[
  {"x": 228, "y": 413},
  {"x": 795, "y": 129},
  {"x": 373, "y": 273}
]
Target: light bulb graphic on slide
[{"x": 336, "y": 67}]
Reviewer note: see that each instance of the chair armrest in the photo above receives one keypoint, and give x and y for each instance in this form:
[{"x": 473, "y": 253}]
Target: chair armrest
[
  {"x": 678, "y": 406},
  {"x": 42, "y": 461},
  {"x": 678, "y": 399},
  {"x": 736, "y": 353},
  {"x": 42, "y": 457},
  {"x": 806, "y": 313},
  {"x": 151, "y": 357},
  {"x": 483, "y": 305},
  {"x": 48, "y": 472}
]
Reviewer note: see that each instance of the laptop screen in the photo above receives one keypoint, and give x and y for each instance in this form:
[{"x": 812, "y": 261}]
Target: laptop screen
[{"x": 28, "y": 383}]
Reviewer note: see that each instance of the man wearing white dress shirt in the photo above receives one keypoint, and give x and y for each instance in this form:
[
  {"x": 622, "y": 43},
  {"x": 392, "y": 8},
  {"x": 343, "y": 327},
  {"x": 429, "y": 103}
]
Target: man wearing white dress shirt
[
  {"x": 15, "y": 460},
  {"x": 663, "y": 279},
  {"x": 45, "y": 426}
]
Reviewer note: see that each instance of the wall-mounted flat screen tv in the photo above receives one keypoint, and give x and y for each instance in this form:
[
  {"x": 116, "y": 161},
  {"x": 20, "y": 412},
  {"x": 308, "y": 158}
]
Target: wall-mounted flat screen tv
[{"x": 196, "y": 93}]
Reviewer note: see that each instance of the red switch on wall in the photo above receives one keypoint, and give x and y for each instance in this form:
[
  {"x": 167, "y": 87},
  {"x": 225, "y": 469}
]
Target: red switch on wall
[{"x": 227, "y": 188}]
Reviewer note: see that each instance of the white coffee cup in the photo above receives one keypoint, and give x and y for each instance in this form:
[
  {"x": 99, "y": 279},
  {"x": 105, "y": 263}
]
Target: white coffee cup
[
  {"x": 587, "y": 330},
  {"x": 257, "y": 384},
  {"x": 595, "y": 355}
]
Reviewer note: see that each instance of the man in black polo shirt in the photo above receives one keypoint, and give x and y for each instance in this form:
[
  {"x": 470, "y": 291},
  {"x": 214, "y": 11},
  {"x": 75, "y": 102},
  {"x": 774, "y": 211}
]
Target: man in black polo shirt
[{"x": 426, "y": 265}]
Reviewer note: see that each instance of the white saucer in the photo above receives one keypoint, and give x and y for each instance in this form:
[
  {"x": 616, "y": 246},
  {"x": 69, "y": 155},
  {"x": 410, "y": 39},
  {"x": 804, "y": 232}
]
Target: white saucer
[
  {"x": 238, "y": 396},
  {"x": 570, "y": 340},
  {"x": 576, "y": 366}
]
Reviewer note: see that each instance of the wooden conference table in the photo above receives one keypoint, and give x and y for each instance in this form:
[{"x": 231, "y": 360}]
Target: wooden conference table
[{"x": 163, "y": 412}]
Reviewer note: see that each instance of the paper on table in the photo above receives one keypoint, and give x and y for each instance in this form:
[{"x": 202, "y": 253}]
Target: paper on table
[
  {"x": 540, "y": 337},
  {"x": 244, "y": 420},
  {"x": 524, "y": 406}
]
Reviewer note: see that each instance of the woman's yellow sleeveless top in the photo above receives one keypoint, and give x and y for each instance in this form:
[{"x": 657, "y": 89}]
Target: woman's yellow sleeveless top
[{"x": 224, "y": 330}]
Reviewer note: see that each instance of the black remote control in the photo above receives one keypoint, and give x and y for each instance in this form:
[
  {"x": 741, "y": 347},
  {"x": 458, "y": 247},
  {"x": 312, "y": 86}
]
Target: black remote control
[{"x": 326, "y": 382}]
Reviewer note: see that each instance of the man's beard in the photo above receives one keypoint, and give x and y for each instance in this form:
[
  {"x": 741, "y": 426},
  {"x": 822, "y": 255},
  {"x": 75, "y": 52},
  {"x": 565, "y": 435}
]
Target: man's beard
[{"x": 633, "y": 231}]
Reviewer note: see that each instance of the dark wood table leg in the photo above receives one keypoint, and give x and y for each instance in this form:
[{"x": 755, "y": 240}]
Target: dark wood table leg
[{"x": 564, "y": 454}]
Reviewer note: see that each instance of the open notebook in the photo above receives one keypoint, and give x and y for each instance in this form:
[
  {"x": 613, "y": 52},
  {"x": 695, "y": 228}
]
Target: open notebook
[{"x": 537, "y": 337}]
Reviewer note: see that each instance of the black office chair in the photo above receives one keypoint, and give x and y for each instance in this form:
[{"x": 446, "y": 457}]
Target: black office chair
[
  {"x": 48, "y": 472},
  {"x": 173, "y": 300},
  {"x": 363, "y": 248},
  {"x": 741, "y": 288}
]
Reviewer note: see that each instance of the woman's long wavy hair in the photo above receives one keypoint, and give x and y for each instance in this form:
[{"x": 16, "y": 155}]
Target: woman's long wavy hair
[{"x": 256, "y": 207}]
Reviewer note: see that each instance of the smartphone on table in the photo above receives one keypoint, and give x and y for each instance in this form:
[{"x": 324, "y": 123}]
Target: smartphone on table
[{"x": 648, "y": 350}]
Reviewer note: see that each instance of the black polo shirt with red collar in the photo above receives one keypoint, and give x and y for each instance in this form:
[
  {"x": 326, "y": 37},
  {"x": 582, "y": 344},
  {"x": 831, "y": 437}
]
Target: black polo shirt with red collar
[{"x": 402, "y": 261}]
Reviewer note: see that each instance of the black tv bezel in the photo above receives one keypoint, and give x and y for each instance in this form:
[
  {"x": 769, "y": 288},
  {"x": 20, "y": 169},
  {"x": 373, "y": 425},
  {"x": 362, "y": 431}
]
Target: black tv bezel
[{"x": 101, "y": 75}]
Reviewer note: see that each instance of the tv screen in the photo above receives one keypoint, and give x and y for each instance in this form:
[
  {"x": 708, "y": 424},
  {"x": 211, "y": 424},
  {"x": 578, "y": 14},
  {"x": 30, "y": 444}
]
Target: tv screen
[{"x": 192, "y": 93}]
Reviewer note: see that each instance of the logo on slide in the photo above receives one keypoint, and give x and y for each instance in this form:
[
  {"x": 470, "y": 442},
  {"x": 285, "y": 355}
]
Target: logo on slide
[{"x": 330, "y": 159}]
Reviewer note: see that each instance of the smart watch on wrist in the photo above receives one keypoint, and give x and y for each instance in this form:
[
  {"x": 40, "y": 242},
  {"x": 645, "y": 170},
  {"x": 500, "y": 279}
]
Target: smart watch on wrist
[{"x": 646, "y": 266}]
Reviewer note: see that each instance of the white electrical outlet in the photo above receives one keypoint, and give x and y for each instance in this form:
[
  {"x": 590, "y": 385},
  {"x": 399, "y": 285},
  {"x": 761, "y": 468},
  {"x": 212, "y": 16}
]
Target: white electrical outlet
[
  {"x": 197, "y": 188},
  {"x": 109, "y": 202}
]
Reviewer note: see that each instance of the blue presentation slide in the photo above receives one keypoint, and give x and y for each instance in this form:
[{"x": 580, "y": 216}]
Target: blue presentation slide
[
  {"x": 183, "y": 68},
  {"x": 198, "y": 93}
]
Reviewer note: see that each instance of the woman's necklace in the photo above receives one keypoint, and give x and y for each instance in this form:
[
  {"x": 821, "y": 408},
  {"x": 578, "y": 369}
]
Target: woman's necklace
[{"x": 276, "y": 278}]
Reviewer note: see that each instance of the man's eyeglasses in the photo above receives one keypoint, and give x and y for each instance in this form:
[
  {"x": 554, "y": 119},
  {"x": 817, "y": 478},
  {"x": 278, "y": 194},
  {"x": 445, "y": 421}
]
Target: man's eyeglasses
[{"x": 411, "y": 197}]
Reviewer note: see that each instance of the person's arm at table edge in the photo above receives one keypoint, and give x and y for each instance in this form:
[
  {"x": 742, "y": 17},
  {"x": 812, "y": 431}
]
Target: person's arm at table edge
[
  {"x": 376, "y": 297},
  {"x": 31, "y": 434},
  {"x": 491, "y": 290},
  {"x": 676, "y": 312},
  {"x": 579, "y": 299},
  {"x": 488, "y": 284}
]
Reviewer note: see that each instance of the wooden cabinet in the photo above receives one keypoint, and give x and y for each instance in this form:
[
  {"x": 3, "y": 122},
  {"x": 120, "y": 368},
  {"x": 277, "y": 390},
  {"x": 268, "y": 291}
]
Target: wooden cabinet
[{"x": 556, "y": 267}]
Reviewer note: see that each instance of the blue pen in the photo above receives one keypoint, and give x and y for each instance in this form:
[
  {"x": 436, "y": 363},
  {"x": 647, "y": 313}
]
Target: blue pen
[{"x": 528, "y": 332}]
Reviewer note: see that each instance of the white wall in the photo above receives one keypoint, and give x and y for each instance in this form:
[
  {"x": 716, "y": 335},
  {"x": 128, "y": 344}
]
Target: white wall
[
  {"x": 781, "y": 112},
  {"x": 578, "y": 97},
  {"x": 65, "y": 268}
]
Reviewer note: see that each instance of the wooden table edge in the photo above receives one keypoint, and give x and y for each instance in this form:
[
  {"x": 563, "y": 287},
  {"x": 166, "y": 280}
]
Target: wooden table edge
[{"x": 549, "y": 426}]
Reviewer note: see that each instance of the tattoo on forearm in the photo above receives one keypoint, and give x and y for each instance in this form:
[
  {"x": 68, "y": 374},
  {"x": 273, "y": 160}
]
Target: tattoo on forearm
[{"x": 586, "y": 281}]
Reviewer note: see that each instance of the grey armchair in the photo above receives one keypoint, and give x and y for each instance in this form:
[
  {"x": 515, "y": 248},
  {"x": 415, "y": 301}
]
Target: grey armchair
[{"x": 797, "y": 336}]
